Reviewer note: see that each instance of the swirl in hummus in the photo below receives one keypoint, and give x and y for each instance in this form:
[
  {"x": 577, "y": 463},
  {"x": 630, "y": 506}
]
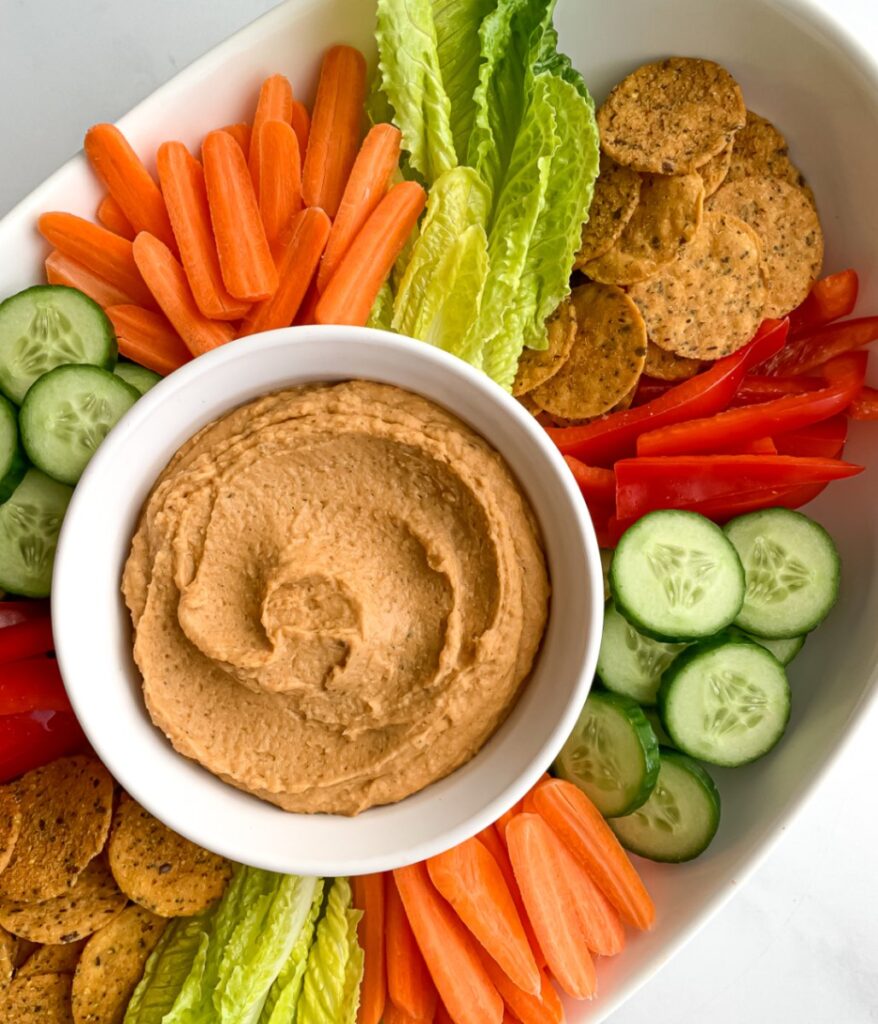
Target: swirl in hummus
[{"x": 338, "y": 592}]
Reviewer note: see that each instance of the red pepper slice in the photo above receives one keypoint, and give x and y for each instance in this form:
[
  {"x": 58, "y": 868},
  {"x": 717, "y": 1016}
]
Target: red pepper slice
[
  {"x": 597, "y": 484},
  {"x": 685, "y": 481},
  {"x": 763, "y": 389},
  {"x": 811, "y": 351},
  {"x": 865, "y": 405},
  {"x": 615, "y": 436},
  {"x": 35, "y": 738},
  {"x": 32, "y": 685},
  {"x": 824, "y": 440},
  {"x": 26, "y": 640},
  {"x": 830, "y": 299},
  {"x": 12, "y": 612}
]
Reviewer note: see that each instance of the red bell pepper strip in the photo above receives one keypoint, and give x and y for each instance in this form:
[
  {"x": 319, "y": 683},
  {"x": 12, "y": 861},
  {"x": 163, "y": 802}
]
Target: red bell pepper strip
[
  {"x": 755, "y": 389},
  {"x": 824, "y": 440},
  {"x": 35, "y": 738},
  {"x": 26, "y": 640},
  {"x": 684, "y": 481},
  {"x": 615, "y": 436},
  {"x": 727, "y": 430},
  {"x": 810, "y": 352},
  {"x": 32, "y": 685},
  {"x": 865, "y": 405},
  {"x": 12, "y": 612},
  {"x": 830, "y": 299},
  {"x": 597, "y": 484}
]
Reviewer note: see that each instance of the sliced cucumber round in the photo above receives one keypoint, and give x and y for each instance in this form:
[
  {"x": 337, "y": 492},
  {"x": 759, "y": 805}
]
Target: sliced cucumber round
[
  {"x": 139, "y": 377},
  {"x": 679, "y": 820},
  {"x": 606, "y": 562},
  {"x": 792, "y": 572},
  {"x": 66, "y": 415},
  {"x": 675, "y": 576},
  {"x": 725, "y": 701},
  {"x": 784, "y": 650},
  {"x": 12, "y": 461},
  {"x": 655, "y": 723},
  {"x": 29, "y": 526},
  {"x": 612, "y": 754},
  {"x": 47, "y": 326},
  {"x": 629, "y": 663}
]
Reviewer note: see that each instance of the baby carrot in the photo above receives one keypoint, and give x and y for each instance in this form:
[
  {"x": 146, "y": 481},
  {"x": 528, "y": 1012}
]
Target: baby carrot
[
  {"x": 301, "y": 122},
  {"x": 61, "y": 269},
  {"x": 186, "y": 196},
  {"x": 366, "y": 186},
  {"x": 442, "y": 1015},
  {"x": 308, "y": 309},
  {"x": 102, "y": 252},
  {"x": 409, "y": 985},
  {"x": 275, "y": 103},
  {"x": 240, "y": 132},
  {"x": 450, "y": 953},
  {"x": 167, "y": 281},
  {"x": 351, "y": 291},
  {"x": 394, "y": 1015},
  {"x": 369, "y": 897},
  {"x": 543, "y": 1008},
  {"x": 113, "y": 219},
  {"x": 244, "y": 256},
  {"x": 148, "y": 338},
  {"x": 276, "y": 168},
  {"x": 298, "y": 256},
  {"x": 128, "y": 181},
  {"x": 504, "y": 819},
  {"x": 335, "y": 127}
]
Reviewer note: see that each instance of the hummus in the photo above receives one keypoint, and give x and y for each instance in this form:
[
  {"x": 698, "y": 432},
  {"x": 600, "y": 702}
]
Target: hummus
[{"x": 337, "y": 592}]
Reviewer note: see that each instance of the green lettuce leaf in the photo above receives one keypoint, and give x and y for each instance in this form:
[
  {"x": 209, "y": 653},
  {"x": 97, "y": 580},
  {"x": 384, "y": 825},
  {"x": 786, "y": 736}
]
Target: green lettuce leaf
[
  {"x": 330, "y": 993},
  {"x": 381, "y": 313},
  {"x": 283, "y": 996}
]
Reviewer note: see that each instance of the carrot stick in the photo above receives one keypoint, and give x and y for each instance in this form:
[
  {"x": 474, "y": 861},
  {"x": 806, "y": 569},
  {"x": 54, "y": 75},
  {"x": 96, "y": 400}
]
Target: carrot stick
[
  {"x": 148, "y": 338},
  {"x": 186, "y": 196},
  {"x": 471, "y": 880},
  {"x": 409, "y": 985},
  {"x": 240, "y": 132},
  {"x": 276, "y": 168},
  {"x": 451, "y": 955},
  {"x": 167, "y": 281},
  {"x": 366, "y": 186},
  {"x": 504, "y": 819},
  {"x": 61, "y": 269},
  {"x": 442, "y": 1015},
  {"x": 581, "y": 826},
  {"x": 369, "y": 897},
  {"x": 128, "y": 181},
  {"x": 245, "y": 258},
  {"x": 539, "y": 863},
  {"x": 297, "y": 261},
  {"x": 335, "y": 127},
  {"x": 301, "y": 122},
  {"x": 394, "y": 1015},
  {"x": 350, "y": 294},
  {"x": 308, "y": 309},
  {"x": 113, "y": 219},
  {"x": 543, "y": 1008},
  {"x": 275, "y": 102},
  {"x": 102, "y": 252}
]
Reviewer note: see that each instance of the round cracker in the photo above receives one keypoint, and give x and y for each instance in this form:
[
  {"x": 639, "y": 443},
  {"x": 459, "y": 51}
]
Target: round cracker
[
  {"x": 789, "y": 231},
  {"x": 664, "y": 365},
  {"x": 536, "y": 367},
  {"x": 666, "y": 218},
  {"x": 8, "y": 944},
  {"x": 10, "y": 824},
  {"x": 59, "y": 958},
  {"x": 715, "y": 171},
  {"x": 672, "y": 116},
  {"x": 606, "y": 360},
  {"x": 93, "y": 901},
  {"x": 616, "y": 194},
  {"x": 112, "y": 964},
  {"x": 760, "y": 150},
  {"x": 44, "y": 999},
  {"x": 159, "y": 869},
  {"x": 66, "y": 810},
  {"x": 710, "y": 301}
]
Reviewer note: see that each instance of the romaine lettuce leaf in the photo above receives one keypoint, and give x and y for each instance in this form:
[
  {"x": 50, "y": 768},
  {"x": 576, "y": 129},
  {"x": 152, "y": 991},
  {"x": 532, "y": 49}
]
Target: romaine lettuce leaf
[
  {"x": 283, "y": 996},
  {"x": 381, "y": 313}
]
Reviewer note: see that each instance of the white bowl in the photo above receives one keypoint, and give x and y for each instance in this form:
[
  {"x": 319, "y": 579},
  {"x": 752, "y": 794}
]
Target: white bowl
[
  {"x": 93, "y": 633},
  {"x": 800, "y": 69}
]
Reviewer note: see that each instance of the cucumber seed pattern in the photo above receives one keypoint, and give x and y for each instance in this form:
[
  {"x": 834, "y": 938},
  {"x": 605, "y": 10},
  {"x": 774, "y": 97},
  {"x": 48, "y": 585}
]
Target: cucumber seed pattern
[
  {"x": 660, "y": 811},
  {"x": 594, "y": 759},
  {"x": 732, "y": 705},
  {"x": 84, "y": 423},
  {"x": 683, "y": 573},
  {"x": 50, "y": 340},
  {"x": 652, "y": 656},
  {"x": 35, "y": 531},
  {"x": 773, "y": 573}
]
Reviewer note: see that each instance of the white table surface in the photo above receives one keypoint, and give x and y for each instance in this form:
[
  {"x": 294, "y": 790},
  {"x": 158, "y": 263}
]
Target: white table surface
[{"x": 800, "y": 942}]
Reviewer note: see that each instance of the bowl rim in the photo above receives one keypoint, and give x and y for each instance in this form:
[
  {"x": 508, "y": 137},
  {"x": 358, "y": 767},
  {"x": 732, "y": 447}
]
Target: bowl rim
[{"x": 134, "y": 777}]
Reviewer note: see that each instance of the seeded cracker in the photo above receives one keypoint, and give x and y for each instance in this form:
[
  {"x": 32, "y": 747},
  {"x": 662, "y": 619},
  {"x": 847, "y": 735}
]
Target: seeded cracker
[
  {"x": 709, "y": 302},
  {"x": 606, "y": 360},
  {"x": 616, "y": 194},
  {"x": 84, "y": 908},
  {"x": 666, "y": 218},
  {"x": 761, "y": 151},
  {"x": 789, "y": 231},
  {"x": 715, "y": 171},
  {"x": 112, "y": 965},
  {"x": 535, "y": 367},
  {"x": 66, "y": 809},
  {"x": 39, "y": 1000},
  {"x": 7, "y": 960},
  {"x": 159, "y": 869},
  {"x": 10, "y": 824},
  {"x": 664, "y": 365},
  {"x": 672, "y": 116},
  {"x": 60, "y": 958}
]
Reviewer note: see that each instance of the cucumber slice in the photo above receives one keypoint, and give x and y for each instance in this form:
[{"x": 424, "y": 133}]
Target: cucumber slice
[
  {"x": 606, "y": 562},
  {"x": 784, "y": 650},
  {"x": 675, "y": 576},
  {"x": 725, "y": 701},
  {"x": 612, "y": 754},
  {"x": 629, "y": 663},
  {"x": 66, "y": 415},
  {"x": 138, "y": 377},
  {"x": 47, "y": 326},
  {"x": 29, "y": 525},
  {"x": 792, "y": 571},
  {"x": 12, "y": 461},
  {"x": 679, "y": 820},
  {"x": 655, "y": 723}
]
